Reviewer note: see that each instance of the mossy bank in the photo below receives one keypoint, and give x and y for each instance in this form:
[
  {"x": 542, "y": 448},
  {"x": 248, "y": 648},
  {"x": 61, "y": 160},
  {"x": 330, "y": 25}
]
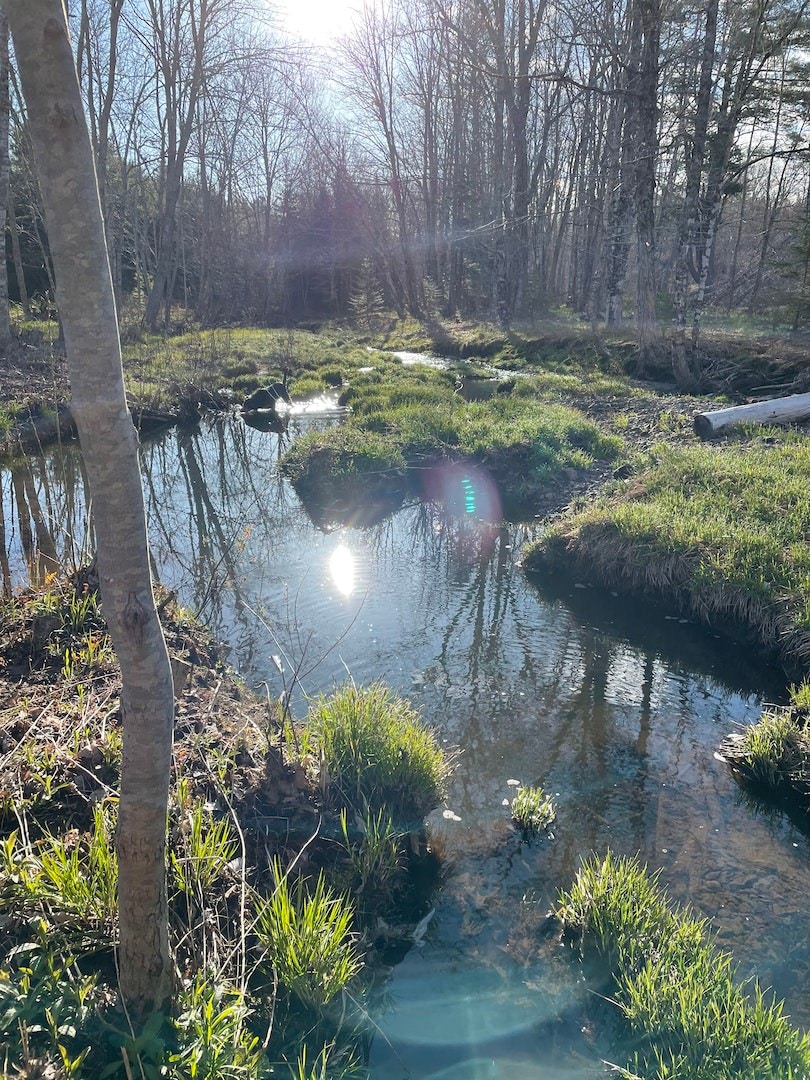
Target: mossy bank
[{"x": 717, "y": 532}]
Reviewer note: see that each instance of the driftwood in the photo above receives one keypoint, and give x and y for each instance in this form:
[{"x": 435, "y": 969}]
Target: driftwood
[{"x": 775, "y": 411}]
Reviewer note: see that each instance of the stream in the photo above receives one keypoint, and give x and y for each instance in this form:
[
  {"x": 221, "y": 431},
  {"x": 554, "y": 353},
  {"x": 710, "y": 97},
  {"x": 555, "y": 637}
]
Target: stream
[{"x": 614, "y": 710}]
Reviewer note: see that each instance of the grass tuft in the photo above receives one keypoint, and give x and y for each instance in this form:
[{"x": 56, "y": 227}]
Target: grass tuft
[
  {"x": 687, "y": 1017},
  {"x": 308, "y": 939},
  {"x": 774, "y": 753},
  {"x": 532, "y": 810},
  {"x": 377, "y": 753}
]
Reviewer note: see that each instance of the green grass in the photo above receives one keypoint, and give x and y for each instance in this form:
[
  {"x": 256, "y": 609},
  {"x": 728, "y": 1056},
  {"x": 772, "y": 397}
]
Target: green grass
[
  {"x": 377, "y": 753},
  {"x": 374, "y": 850},
  {"x": 411, "y": 416},
  {"x": 774, "y": 753},
  {"x": 686, "y": 1015},
  {"x": 719, "y": 531},
  {"x": 308, "y": 939},
  {"x": 157, "y": 366},
  {"x": 532, "y": 810}
]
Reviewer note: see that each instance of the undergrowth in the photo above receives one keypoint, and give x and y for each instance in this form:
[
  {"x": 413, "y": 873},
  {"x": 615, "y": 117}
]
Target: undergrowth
[{"x": 266, "y": 947}]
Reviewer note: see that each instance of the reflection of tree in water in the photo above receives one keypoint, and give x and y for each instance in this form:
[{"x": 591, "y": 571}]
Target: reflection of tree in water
[
  {"x": 217, "y": 506},
  {"x": 43, "y": 516}
]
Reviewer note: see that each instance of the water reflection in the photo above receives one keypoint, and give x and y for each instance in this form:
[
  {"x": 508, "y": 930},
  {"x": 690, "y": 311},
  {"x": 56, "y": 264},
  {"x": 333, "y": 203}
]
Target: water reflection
[
  {"x": 341, "y": 567},
  {"x": 615, "y": 711}
]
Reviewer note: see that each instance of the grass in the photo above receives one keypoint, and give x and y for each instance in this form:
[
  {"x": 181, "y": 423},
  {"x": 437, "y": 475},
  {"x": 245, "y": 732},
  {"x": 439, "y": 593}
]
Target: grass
[
  {"x": 720, "y": 531},
  {"x": 157, "y": 367},
  {"x": 403, "y": 416},
  {"x": 374, "y": 851},
  {"x": 774, "y": 753},
  {"x": 308, "y": 939},
  {"x": 532, "y": 810},
  {"x": 377, "y": 754},
  {"x": 685, "y": 1013}
]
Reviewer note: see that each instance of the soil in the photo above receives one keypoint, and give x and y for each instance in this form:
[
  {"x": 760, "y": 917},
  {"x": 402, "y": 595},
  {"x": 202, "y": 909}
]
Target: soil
[{"x": 71, "y": 715}]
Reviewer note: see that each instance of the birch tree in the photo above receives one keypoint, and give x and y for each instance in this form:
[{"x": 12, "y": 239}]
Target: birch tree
[{"x": 64, "y": 159}]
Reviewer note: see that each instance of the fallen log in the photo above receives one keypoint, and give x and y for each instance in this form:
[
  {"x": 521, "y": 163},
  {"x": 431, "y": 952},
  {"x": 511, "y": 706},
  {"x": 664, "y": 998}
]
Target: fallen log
[{"x": 775, "y": 411}]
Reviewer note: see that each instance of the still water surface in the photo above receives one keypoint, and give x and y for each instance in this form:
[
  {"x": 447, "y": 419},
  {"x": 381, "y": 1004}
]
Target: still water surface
[{"x": 615, "y": 711}]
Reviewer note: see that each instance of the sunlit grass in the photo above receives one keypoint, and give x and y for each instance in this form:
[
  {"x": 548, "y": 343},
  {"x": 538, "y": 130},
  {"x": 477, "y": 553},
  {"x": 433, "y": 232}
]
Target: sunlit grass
[
  {"x": 377, "y": 752},
  {"x": 720, "y": 531},
  {"x": 688, "y": 1016},
  {"x": 413, "y": 415},
  {"x": 774, "y": 753},
  {"x": 308, "y": 938},
  {"x": 532, "y": 810},
  {"x": 156, "y": 365}
]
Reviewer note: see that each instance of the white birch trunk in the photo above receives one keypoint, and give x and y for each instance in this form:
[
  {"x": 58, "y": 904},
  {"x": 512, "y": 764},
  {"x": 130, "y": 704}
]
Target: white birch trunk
[{"x": 84, "y": 293}]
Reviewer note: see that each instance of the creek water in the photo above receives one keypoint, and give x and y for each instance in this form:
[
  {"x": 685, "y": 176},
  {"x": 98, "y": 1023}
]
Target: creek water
[{"x": 616, "y": 711}]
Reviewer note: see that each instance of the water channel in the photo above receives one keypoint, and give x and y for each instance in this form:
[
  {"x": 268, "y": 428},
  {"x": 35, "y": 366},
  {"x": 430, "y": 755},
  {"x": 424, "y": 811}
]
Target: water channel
[{"x": 617, "y": 712}]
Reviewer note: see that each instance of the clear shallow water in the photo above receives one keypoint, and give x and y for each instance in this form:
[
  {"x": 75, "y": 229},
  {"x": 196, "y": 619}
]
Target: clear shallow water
[{"x": 617, "y": 712}]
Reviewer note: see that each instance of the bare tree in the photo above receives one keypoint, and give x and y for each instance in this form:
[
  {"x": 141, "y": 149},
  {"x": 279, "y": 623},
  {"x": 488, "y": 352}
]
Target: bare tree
[{"x": 64, "y": 158}]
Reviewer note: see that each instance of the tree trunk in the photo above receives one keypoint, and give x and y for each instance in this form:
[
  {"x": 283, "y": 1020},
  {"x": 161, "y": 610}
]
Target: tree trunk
[
  {"x": 646, "y": 105},
  {"x": 5, "y": 112},
  {"x": 84, "y": 289},
  {"x": 682, "y": 365}
]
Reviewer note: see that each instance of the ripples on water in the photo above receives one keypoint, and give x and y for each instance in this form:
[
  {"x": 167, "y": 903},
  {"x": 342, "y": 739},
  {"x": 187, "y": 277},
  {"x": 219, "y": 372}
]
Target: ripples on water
[{"x": 616, "y": 712}]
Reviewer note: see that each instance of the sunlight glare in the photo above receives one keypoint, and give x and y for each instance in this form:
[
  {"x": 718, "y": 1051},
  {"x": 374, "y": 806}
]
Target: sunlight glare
[
  {"x": 318, "y": 21},
  {"x": 342, "y": 569}
]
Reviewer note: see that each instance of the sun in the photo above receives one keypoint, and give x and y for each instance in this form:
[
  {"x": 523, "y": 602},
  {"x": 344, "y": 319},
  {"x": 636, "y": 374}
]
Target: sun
[{"x": 318, "y": 21}]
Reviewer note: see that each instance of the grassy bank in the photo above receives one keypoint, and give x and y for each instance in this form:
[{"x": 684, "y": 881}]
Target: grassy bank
[
  {"x": 719, "y": 532},
  {"x": 685, "y": 1013},
  {"x": 274, "y": 893}
]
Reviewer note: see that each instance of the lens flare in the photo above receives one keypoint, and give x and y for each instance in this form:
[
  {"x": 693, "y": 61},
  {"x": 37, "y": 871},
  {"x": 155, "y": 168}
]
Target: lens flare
[{"x": 463, "y": 490}]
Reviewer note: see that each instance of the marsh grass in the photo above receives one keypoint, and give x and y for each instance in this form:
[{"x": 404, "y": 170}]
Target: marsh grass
[
  {"x": 774, "y": 753},
  {"x": 532, "y": 810},
  {"x": 716, "y": 531},
  {"x": 687, "y": 1016},
  {"x": 374, "y": 851},
  {"x": 411, "y": 415},
  {"x": 157, "y": 367},
  {"x": 308, "y": 938},
  {"x": 377, "y": 754}
]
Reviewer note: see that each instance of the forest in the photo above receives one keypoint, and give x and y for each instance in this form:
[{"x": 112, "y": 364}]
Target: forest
[{"x": 503, "y": 160}]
